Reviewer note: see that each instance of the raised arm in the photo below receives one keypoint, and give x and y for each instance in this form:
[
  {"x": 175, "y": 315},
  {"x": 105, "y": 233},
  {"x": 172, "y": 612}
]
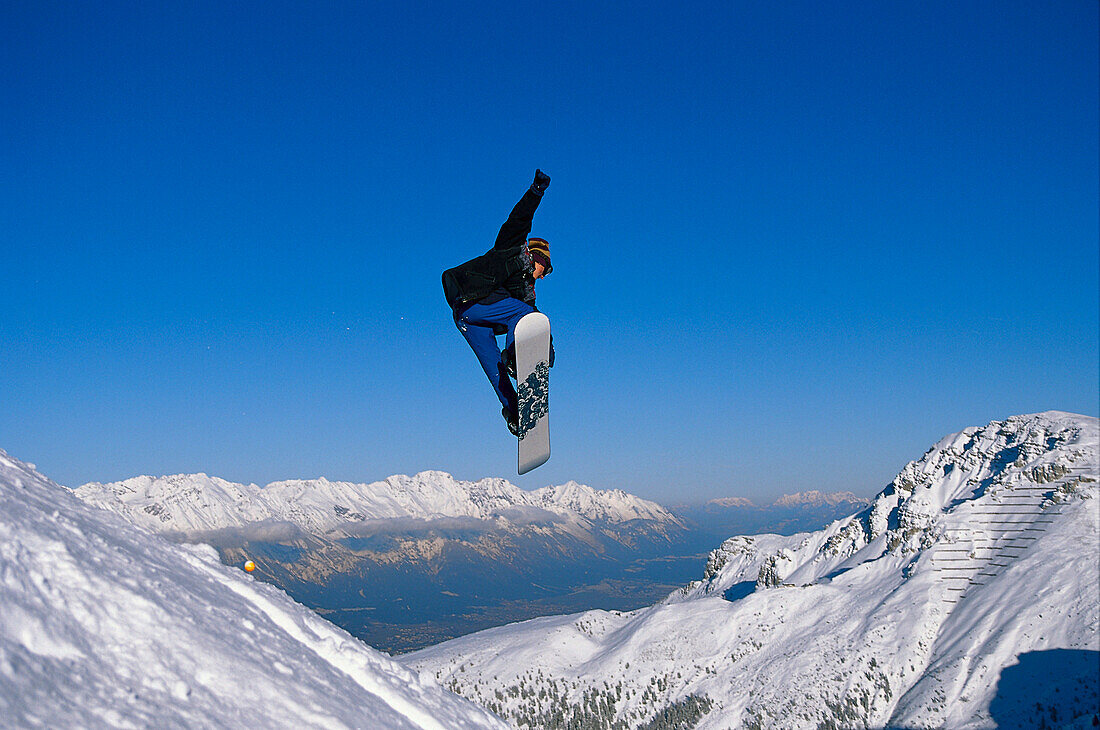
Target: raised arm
[{"x": 514, "y": 231}]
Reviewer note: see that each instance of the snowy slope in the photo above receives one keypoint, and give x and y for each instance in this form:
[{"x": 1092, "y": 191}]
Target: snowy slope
[
  {"x": 966, "y": 596},
  {"x": 106, "y": 625},
  {"x": 197, "y": 502}
]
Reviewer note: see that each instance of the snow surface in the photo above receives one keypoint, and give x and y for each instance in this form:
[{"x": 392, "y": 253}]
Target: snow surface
[
  {"x": 190, "y": 503},
  {"x": 966, "y": 596},
  {"x": 103, "y": 624}
]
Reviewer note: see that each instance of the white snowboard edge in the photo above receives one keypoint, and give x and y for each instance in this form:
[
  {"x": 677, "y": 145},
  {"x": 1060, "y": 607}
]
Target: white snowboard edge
[
  {"x": 534, "y": 447},
  {"x": 533, "y": 462}
]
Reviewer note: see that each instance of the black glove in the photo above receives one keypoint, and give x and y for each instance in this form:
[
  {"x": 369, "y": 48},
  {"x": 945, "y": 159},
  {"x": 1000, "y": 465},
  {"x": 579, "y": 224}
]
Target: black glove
[{"x": 542, "y": 181}]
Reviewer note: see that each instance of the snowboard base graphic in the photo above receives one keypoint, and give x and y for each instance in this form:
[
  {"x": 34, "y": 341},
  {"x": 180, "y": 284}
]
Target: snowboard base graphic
[{"x": 533, "y": 387}]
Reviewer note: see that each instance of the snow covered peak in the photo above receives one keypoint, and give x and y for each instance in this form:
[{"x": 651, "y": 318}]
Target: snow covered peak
[
  {"x": 732, "y": 502},
  {"x": 106, "y": 625},
  {"x": 931, "y": 498},
  {"x": 185, "y": 501},
  {"x": 195, "y": 503},
  {"x": 964, "y": 596},
  {"x": 815, "y": 497},
  {"x": 613, "y": 505}
]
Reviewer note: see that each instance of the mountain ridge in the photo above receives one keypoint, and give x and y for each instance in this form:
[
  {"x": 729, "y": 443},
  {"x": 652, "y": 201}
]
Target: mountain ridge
[
  {"x": 818, "y": 497},
  {"x": 964, "y": 596},
  {"x": 198, "y": 502},
  {"x": 809, "y": 497}
]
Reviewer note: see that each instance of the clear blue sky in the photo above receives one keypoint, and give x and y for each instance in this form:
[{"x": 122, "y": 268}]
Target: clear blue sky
[{"x": 794, "y": 243}]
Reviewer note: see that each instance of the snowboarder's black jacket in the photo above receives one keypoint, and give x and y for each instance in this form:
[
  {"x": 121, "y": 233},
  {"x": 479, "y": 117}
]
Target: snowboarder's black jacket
[{"x": 506, "y": 266}]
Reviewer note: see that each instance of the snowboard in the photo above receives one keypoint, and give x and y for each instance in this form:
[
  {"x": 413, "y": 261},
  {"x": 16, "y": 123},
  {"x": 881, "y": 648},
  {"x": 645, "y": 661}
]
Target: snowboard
[{"x": 532, "y": 337}]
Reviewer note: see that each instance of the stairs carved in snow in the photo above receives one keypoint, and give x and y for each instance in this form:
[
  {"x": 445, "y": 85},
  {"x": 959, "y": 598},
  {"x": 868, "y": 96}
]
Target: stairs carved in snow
[{"x": 996, "y": 531}]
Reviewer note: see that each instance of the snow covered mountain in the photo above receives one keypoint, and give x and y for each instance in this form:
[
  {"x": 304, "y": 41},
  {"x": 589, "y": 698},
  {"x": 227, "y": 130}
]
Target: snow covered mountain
[
  {"x": 714, "y": 521},
  {"x": 103, "y": 624},
  {"x": 411, "y": 561},
  {"x": 196, "y": 502},
  {"x": 817, "y": 498},
  {"x": 967, "y": 595}
]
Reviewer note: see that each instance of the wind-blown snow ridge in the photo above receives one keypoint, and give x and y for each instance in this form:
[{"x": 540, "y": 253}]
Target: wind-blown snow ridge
[
  {"x": 197, "y": 502},
  {"x": 103, "y": 624},
  {"x": 965, "y": 596}
]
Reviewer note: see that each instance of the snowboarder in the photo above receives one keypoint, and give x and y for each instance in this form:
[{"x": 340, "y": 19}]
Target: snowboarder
[{"x": 489, "y": 294}]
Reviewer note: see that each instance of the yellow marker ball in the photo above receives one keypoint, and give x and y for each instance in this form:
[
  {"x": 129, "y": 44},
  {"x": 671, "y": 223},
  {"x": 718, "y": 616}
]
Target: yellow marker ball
[{"x": 249, "y": 566}]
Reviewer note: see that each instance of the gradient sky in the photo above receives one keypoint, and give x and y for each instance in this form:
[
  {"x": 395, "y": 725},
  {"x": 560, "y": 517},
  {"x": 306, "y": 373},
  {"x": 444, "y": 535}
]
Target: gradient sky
[{"x": 794, "y": 243}]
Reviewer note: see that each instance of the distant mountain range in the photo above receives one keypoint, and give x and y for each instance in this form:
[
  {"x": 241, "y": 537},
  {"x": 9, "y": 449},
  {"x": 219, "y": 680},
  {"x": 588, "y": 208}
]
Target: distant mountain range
[
  {"x": 714, "y": 521},
  {"x": 413, "y": 560},
  {"x": 964, "y": 596},
  {"x": 190, "y": 503},
  {"x": 409, "y": 561}
]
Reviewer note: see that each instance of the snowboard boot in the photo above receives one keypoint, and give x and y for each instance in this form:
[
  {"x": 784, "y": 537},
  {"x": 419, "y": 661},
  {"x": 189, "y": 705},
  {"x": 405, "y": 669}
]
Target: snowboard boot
[
  {"x": 508, "y": 359},
  {"x": 511, "y": 420}
]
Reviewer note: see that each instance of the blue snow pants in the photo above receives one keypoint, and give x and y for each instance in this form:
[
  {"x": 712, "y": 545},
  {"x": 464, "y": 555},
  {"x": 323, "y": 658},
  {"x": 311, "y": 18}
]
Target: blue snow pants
[{"x": 479, "y": 324}]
